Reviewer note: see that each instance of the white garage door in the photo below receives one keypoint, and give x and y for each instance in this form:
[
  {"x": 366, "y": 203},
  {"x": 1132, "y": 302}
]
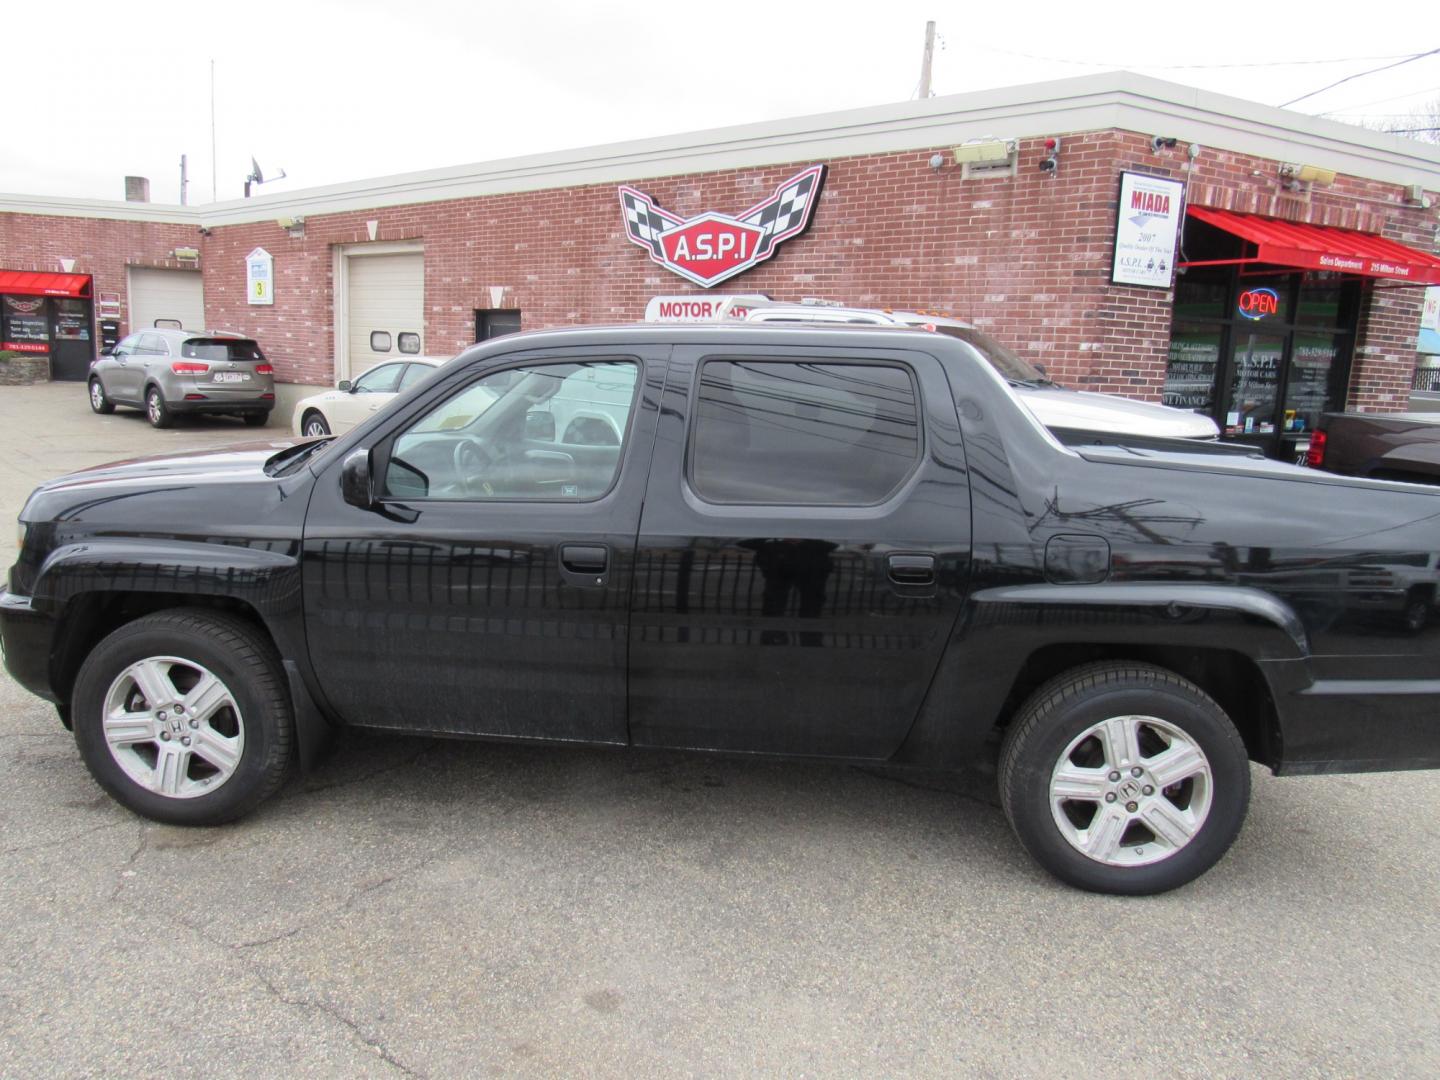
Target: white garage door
[
  {"x": 385, "y": 299},
  {"x": 166, "y": 294}
]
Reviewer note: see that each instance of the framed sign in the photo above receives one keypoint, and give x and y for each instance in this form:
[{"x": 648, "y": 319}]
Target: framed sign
[
  {"x": 1147, "y": 223},
  {"x": 259, "y": 277},
  {"x": 1430, "y": 317}
]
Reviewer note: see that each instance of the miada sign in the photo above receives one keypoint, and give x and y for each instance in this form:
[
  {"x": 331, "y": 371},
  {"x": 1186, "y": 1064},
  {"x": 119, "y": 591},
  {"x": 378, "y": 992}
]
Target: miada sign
[{"x": 712, "y": 247}]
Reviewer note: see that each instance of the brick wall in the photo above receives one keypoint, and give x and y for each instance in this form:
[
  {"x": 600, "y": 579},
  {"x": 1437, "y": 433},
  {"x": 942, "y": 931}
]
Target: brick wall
[
  {"x": 1027, "y": 258},
  {"x": 100, "y": 248}
]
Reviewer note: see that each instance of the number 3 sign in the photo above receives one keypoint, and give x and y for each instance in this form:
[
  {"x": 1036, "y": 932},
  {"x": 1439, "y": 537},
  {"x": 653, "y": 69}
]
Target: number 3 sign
[{"x": 260, "y": 277}]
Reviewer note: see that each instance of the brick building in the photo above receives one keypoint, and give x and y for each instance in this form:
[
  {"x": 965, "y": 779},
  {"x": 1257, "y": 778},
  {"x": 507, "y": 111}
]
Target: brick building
[{"x": 1024, "y": 251}]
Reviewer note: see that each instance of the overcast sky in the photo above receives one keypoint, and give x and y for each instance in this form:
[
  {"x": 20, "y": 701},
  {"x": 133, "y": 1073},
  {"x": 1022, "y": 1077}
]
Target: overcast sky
[{"x": 333, "y": 91}]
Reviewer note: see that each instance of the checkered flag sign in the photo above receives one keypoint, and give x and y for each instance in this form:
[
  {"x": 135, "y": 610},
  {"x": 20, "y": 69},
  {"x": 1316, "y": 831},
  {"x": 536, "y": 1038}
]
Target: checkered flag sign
[
  {"x": 712, "y": 247},
  {"x": 645, "y": 221},
  {"x": 787, "y": 211}
]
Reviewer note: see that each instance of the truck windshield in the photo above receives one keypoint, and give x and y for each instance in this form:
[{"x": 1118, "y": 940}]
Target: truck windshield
[{"x": 1014, "y": 368}]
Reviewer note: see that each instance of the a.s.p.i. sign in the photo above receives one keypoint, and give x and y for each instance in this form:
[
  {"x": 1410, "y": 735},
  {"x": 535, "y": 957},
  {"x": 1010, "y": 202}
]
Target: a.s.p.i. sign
[{"x": 711, "y": 247}]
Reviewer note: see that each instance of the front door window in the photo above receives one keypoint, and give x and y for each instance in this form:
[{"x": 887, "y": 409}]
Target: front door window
[{"x": 1254, "y": 385}]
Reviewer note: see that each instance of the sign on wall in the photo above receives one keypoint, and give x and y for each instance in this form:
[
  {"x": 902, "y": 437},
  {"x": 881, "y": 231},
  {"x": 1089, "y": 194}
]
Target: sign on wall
[
  {"x": 701, "y": 308},
  {"x": 259, "y": 277},
  {"x": 1430, "y": 318},
  {"x": 711, "y": 247},
  {"x": 1146, "y": 227}
]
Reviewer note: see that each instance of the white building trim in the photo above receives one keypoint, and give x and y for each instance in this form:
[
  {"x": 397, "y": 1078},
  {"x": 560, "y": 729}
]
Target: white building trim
[{"x": 1118, "y": 100}]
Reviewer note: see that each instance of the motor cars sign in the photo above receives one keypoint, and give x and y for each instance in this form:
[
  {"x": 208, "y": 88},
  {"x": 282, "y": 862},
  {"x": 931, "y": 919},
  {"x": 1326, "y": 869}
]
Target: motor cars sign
[{"x": 706, "y": 308}]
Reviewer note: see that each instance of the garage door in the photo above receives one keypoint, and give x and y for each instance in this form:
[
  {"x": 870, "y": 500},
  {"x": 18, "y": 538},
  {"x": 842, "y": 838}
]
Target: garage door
[
  {"x": 166, "y": 294},
  {"x": 386, "y": 308}
]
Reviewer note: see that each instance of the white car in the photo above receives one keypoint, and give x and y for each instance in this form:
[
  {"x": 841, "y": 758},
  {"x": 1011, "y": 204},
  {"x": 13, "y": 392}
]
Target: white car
[
  {"x": 337, "y": 411},
  {"x": 1057, "y": 407}
]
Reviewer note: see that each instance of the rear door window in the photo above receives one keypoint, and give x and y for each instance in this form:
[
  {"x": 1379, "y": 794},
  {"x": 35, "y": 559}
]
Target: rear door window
[
  {"x": 803, "y": 432},
  {"x": 152, "y": 345},
  {"x": 415, "y": 373}
]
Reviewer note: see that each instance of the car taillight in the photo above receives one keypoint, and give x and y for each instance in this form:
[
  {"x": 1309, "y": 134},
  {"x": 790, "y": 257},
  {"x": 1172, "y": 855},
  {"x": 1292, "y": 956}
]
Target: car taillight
[
  {"x": 189, "y": 367},
  {"x": 1315, "y": 456},
  {"x": 264, "y": 369}
]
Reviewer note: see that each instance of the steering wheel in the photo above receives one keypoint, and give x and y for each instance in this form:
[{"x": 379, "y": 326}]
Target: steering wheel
[{"x": 473, "y": 460}]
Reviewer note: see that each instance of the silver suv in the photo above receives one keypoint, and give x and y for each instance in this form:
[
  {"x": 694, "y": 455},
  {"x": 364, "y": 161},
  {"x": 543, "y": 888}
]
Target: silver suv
[
  {"x": 1071, "y": 414},
  {"x": 167, "y": 371}
]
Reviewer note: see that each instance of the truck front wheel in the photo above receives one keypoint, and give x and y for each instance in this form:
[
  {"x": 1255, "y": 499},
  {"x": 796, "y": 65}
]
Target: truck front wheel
[
  {"x": 183, "y": 717},
  {"x": 1124, "y": 778}
]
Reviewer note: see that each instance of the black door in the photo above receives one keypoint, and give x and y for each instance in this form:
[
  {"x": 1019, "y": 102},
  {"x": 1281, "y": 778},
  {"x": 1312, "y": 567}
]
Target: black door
[
  {"x": 801, "y": 553},
  {"x": 73, "y": 348},
  {"x": 488, "y": 591}
]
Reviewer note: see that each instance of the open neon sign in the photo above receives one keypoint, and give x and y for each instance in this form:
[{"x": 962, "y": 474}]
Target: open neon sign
[{"x": 1259, "y": 303}]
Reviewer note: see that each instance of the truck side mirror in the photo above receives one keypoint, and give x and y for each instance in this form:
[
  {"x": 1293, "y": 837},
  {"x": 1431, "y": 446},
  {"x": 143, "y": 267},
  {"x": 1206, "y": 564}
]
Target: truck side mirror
[{"x": 355, "y": 486}]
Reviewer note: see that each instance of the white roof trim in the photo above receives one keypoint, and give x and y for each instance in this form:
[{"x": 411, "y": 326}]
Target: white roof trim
[{"x": 1121, "y": 100}]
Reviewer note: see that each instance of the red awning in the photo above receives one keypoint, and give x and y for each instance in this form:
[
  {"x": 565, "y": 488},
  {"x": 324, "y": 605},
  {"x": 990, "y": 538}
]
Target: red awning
[
  {"x": 36, "y": 283},
  {"x": 1321, "y": 247}
]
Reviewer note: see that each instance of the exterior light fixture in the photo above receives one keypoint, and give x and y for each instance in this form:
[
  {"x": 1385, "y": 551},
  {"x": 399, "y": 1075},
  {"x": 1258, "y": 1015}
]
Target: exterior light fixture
[
  {"x": 986, "y": 157},
  {"x": 1293, "y": 175},
  {"x": 985, "y": 150}
]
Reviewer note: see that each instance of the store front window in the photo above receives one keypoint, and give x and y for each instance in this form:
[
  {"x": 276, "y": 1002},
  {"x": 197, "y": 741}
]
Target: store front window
[{"x": 1262, "y": 353}]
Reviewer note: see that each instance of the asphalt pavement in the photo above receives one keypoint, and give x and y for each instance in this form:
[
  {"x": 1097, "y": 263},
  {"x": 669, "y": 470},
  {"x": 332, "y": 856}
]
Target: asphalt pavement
[{"x": 441, "y": 908}]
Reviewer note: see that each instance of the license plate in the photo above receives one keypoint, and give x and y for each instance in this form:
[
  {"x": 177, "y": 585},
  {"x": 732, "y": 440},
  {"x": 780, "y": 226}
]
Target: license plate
[{"x": 231, "y": 376}]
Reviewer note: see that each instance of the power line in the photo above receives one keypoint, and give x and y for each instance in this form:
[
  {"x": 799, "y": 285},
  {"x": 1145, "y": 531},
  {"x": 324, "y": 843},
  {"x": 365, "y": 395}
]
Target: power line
[
  {"x": 1381, "y": 101},
  {"x": 1169, "y": 67},
  {"x": 1360, "y": 74}
]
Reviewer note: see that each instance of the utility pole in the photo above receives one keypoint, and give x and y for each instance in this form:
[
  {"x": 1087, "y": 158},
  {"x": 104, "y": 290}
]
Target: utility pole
[
  {"x": 184, "y": 178},
  {"x": 925, "y": 63},
  {"x": 212, "y": 131}
]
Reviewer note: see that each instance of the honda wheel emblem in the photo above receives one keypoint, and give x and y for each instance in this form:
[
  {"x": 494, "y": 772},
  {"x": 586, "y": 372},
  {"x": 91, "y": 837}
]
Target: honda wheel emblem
[{"x": 711, "y": 247}]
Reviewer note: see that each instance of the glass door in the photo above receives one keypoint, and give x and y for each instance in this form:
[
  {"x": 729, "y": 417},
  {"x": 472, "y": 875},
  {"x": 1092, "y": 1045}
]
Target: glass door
[{"x": 1253, "y": 405}]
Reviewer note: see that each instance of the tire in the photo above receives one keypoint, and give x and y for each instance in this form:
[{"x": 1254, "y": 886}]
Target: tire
[
  {"x": 1417, "y": 611},
  {"x": 99, "y": 400},
  {"x": 156, "y": 411},
  {"x": 1123, "y": 730},
  {"x": 202, "y": 769},
  {"x": 313, "y": 424},
  {"x": 255, "y": 419}
]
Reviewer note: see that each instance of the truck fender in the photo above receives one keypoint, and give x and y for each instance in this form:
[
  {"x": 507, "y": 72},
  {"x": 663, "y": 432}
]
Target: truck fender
[{"x": 1002, "y": 627}]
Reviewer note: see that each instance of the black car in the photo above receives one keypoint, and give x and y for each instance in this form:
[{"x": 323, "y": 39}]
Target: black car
[{"x": 850, "y": 543}]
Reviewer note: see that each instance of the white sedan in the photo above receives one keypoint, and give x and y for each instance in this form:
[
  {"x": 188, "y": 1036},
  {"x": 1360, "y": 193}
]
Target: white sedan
[{"x": 337, "y": 411}]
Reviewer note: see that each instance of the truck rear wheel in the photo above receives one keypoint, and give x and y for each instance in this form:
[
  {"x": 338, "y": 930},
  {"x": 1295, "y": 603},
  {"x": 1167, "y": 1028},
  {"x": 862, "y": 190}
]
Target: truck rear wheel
[
  {"x": 183, "y": 717},
  {"x": 1124, "y": 778}
]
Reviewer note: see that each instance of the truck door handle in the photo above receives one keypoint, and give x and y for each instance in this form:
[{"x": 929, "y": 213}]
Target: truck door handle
[
  {"x": 912, "y": 569},
  {"x": 584, "y": 558}
]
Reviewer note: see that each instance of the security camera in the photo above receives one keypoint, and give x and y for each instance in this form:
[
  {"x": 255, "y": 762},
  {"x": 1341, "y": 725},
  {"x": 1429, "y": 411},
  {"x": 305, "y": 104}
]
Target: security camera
[
  {"x": 1048, "y": 164},
  {"x": 1161, "y": 142}
]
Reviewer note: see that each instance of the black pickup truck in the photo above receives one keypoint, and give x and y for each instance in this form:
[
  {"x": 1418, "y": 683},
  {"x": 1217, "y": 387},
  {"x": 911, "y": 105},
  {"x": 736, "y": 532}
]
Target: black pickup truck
[{"x": 850, "y": 543}]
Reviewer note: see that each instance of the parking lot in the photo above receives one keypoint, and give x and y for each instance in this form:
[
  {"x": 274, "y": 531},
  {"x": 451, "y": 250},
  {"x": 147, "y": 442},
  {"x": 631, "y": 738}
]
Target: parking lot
[{"x": 437, "y": 908}]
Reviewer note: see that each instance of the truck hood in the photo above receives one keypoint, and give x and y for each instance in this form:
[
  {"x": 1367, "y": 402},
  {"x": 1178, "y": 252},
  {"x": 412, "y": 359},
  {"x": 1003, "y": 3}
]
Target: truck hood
[
  {"x": 243, "y": 461},
  {"x": 1056, "y": 407}
]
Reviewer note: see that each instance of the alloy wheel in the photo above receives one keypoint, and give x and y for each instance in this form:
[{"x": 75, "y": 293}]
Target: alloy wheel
[
  {"x": 1131, "y": 790},
  {"x": 173, "y": 727}
]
